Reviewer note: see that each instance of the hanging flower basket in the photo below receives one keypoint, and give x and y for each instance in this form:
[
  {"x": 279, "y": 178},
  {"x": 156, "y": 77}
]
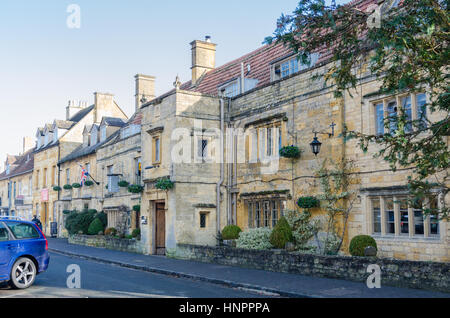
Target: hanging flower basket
[
  {"x": 308, "y": 202},
  {"x": 57, "y": 189},
  {"x": 123, "y": 184},
  {"x": 164, "y": 184},
  {"x": 292, "y": 152},
  {"x": 89, "y": 183},
  {"x": 76, "y": 185},
  {"x": 135, "y": 188},
  {"x": 67, "y": 187}
]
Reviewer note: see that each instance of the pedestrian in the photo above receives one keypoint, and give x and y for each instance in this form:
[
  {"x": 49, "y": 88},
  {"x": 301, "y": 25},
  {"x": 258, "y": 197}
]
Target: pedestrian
[{"x": 36, "y": 221}]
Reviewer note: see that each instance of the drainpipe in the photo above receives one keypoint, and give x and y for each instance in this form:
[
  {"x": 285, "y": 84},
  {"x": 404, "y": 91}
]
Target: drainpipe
[
  {"x": 242, "y": 79},
  {"x": 229, "y": 168},
  {"x": 219, "y": 184}
]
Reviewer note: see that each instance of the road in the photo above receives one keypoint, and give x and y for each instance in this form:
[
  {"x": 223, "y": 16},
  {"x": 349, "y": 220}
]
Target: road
[{"x": 102, "y": 280}]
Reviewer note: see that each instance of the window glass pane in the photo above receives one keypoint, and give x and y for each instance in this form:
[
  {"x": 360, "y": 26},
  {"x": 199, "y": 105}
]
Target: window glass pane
[
  {"x": 274, "y": 213},
  {"x": 376, "y": 215},
  {"x": 22, "y": 230},
  {"x": 3, "y": 233},
  {"x": 392, "y": 113},
  {"x": 250, "y": 215},
  {"x": 421, "y": 101},
  {"x": 407, "y": 108},
  {"x": 379, "y": 119},
  {"x": 266, "y": 214},
  {"x": 157, "y": 149},
  {"x": 202, "y": 220},
  {"x": 404, "y": 220},
  {"x": 257, "y": 214},
  {"x": 390, "y": 219},
  {"x": 434, "y": 219},
  {"x": 269, "y": 141},
  {"x": 285, "y": 69},
  {"x": 280, "y": 140}
]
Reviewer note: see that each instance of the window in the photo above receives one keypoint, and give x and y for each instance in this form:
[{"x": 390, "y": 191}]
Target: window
[
  {"x": 418, "y": 218},
  {"x": 102, "y": 133},
  {"x": 138, "y": 170},
  {"x": 113, "y": 180},
  {"x": 203, "y": 149},
  {"x": 94, "y": 136},
  {"x": 37, "y": 180},
  {"x": 390, "y": 215},
  {"x": 264, "y": 142},
  {"x": 376, "y": 215},
  {"x": 404, "y": 220},
  {"x": 413, "y": 107},
  {"x": 54, "y": 176},
  {"x": 271, "y": 211},
  {"x": 4, "y": 235},
  {"x": 156, "y": 150},
  {"x": 434, "y": 219},
  {"x": 23, "y": 230},
  {"x": 292, "y": 65},
  {"x": 68, "y": 176},
  {"x": 45, "y": 178},
  {"x": 203, "y": 219},
  {"x": 231, "y": 90}
]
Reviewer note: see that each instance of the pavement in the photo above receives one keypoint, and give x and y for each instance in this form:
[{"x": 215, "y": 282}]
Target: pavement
[{"x": 258, "y": 281}]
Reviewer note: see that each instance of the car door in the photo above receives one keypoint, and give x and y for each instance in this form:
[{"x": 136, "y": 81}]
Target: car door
[{"x": 6, "y": 251}]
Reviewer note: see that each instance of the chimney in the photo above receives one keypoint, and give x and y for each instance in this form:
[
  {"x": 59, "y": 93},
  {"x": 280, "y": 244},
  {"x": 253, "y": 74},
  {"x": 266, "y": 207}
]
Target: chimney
[
  {"x": 74, "y": 107},
  {"x": 203, "y": 58},
  {"x": 27, "y": 144},
  {"x": 104, "y": 106},
  {"x": 145, "y": 89}
]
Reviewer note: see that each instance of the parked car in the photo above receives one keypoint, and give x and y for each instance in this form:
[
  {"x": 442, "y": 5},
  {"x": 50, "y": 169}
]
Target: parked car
[{"x": 23, "y": 252}]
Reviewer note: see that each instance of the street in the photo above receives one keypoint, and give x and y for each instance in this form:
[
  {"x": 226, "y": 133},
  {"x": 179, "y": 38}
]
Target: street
[{"x": 102, "y": 280}]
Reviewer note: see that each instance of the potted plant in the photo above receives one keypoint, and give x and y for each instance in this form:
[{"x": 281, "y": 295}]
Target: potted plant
[
  {"x": 135, "y": 188},
  {"x": 123, "y": 184},
  {"x": 292, "y": 152},
  {"x": 164, "y": 184},
  {"x": 67, "y": 187}
]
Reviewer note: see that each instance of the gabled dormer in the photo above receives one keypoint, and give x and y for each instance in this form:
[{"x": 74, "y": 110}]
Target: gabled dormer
[
  {"x": 93, "y": 133},
  {"x": 48, "y": 134},
  {"x": 108, "y": 126},
  {"x": 87, "y": 135},
  {"x": 39, "y": 138},
  {"x": 60, "y": 127}
]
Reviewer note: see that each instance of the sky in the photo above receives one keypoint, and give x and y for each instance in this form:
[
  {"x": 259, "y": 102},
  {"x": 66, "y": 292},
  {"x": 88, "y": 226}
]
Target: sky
[{"x": 44, "y": 63}]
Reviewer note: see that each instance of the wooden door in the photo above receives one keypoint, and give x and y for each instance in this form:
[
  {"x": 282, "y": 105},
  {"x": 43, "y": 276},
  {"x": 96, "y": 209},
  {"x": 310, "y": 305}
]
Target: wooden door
[{"x": 160, "y": 229}]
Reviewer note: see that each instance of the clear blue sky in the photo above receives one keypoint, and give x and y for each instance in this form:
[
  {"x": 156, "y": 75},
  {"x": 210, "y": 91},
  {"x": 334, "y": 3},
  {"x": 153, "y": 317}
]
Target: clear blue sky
[{"x": 43, "y": 63}]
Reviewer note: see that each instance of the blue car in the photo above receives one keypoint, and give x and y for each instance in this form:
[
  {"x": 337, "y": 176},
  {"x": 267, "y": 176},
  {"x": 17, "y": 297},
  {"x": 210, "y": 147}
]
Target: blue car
[{"x": 23, "y": 252}]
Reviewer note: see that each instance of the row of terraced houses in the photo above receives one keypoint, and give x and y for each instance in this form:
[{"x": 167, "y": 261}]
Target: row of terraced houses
[{"x": 268, "y": 95}]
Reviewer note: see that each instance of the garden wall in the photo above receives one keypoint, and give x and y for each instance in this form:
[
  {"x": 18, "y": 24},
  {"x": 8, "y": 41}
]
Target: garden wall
[
  {"x": 108, "y": 242},
  {"x": 410, "y": 274}
]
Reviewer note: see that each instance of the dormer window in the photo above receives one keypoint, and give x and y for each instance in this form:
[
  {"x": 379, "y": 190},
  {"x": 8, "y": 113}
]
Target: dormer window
[
  {"x": 291, "y": 65},
  {"x": 102, "y": 133},
  {"x": 233, "y": 88},
  {"x": 94, "y": 137},
  {"x": 7, "y": 169}
]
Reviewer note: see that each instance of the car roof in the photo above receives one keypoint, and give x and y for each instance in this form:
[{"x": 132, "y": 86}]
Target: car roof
[{"x": 15, "y": 221}]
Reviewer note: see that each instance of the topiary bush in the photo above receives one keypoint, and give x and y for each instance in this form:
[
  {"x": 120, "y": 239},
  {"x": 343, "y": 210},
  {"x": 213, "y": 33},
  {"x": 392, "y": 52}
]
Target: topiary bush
[
  {"x": 231, "y": 232},
  {"x": 103, "y": 217},
  {"x": 359, "y": 243},
  {"x": 110, "y": 231},
  {"x": 255, "y": 239},
  {"x": 79, "y": 222},
  {"x": 308, "y": 202},
  {"x": 136, "y": 234},
  {"x": 281, "y": 234},
  {"x": 96, "y": 227}
]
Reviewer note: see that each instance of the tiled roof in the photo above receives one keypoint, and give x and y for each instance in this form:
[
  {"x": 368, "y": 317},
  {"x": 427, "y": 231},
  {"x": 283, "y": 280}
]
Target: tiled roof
[
  {"x": 80, "y": 115},
  {"x": 64, "y": 124},
  {"x": 23, "y": 164},
  {"x": 113, "y": 121},
  {"x": 259, "y": 61}
]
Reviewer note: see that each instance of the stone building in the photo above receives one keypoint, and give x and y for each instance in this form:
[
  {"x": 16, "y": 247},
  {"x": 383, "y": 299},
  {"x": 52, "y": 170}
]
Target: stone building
[
  {"x": 271, "y": 100},
  {"x": 16, "y": 183},
  {"x": 56, "y": 141}
]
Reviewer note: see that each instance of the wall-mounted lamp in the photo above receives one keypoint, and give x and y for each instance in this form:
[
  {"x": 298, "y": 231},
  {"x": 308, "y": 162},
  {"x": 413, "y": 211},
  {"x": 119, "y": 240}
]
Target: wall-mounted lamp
[{"x": 316, "y": 144}]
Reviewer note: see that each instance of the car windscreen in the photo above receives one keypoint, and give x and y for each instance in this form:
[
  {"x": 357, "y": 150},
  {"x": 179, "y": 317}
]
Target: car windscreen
[
  {"x": 4, "y": 236},
  {"x": 23, "y": 230}
]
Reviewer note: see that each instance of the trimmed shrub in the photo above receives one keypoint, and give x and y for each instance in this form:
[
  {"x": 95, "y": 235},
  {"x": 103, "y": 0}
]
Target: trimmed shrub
[
  {"x": 308, "y": 202},
  {"x": 103, "y": 217},
  {"x": 255, "y": 239},
  {"x": 79, "y": 222},
  {"x": 231, "y": 232},
  {"x": 292, "y": 152},
  {"x": 359, "y": 243},
  {"x": 281, "y": 234},
  {"x": 136, "y": 234},
  {"x": 96, "y": 227},
  {"x": 110, "y": 231}
]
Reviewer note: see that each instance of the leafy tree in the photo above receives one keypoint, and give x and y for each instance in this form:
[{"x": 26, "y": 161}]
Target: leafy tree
[{"x": 405, "y": 44}]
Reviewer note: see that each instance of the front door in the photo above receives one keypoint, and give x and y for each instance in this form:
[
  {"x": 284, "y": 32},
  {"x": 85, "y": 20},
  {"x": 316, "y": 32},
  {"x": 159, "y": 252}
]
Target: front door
[{"x": 160, "y": 229}]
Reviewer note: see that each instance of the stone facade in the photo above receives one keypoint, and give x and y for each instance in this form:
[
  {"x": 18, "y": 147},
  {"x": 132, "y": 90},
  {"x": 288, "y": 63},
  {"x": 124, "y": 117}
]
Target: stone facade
[{"x": 131, "y": 246}]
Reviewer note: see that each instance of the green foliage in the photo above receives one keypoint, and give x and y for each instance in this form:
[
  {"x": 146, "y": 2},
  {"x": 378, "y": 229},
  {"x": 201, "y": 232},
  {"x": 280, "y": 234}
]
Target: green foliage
[
  {"x": 281, "y": 234},
  {"x": 303, "y": 229},
  {"x": 308, "y": 202},
  {"x": 110, "y": 231},
  {"x": 164, "y": 184},
  {"x": 123, "y": 184},
  {"x": 359, "y": 243},
  {"x": 137, "y": 208},
  {"x": 407, "y": 52},
  {"x": 231, "y": 232},
  {"x": 135, "y": 188},
  {"x": 67, "y": 187},
  {"x": 255, "y": 239},
  {"x": 56, "y": 188},
  {"x": 136, "y": 234},
  {"x": 102, "y": 216},
  {"x": 79, "y": 222},
  {"x": 67, "y": 212},
  {"x": 89, "y": 183},
  {"x": 96, "y": 227},
  {"x": 292, "y": 152},
  {"x": 76, "y": 185}
]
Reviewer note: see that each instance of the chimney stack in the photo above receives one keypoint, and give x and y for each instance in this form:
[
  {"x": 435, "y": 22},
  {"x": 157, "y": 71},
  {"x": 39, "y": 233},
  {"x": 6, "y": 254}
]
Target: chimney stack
[
  {"x": 145, "y": 89},
  {"x": 104, "y": 104},
  {"x": 27, "y": 144},
  {"x": 74, "y": 107},
  {"x": 203, "y": 58}
]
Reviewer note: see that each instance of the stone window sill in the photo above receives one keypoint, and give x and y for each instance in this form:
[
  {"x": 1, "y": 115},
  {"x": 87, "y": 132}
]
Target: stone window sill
[{"x": 405, "y": 238}]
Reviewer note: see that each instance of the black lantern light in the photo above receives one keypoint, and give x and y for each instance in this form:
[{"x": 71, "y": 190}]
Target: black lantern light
[{"x": 315, "y": 146}]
